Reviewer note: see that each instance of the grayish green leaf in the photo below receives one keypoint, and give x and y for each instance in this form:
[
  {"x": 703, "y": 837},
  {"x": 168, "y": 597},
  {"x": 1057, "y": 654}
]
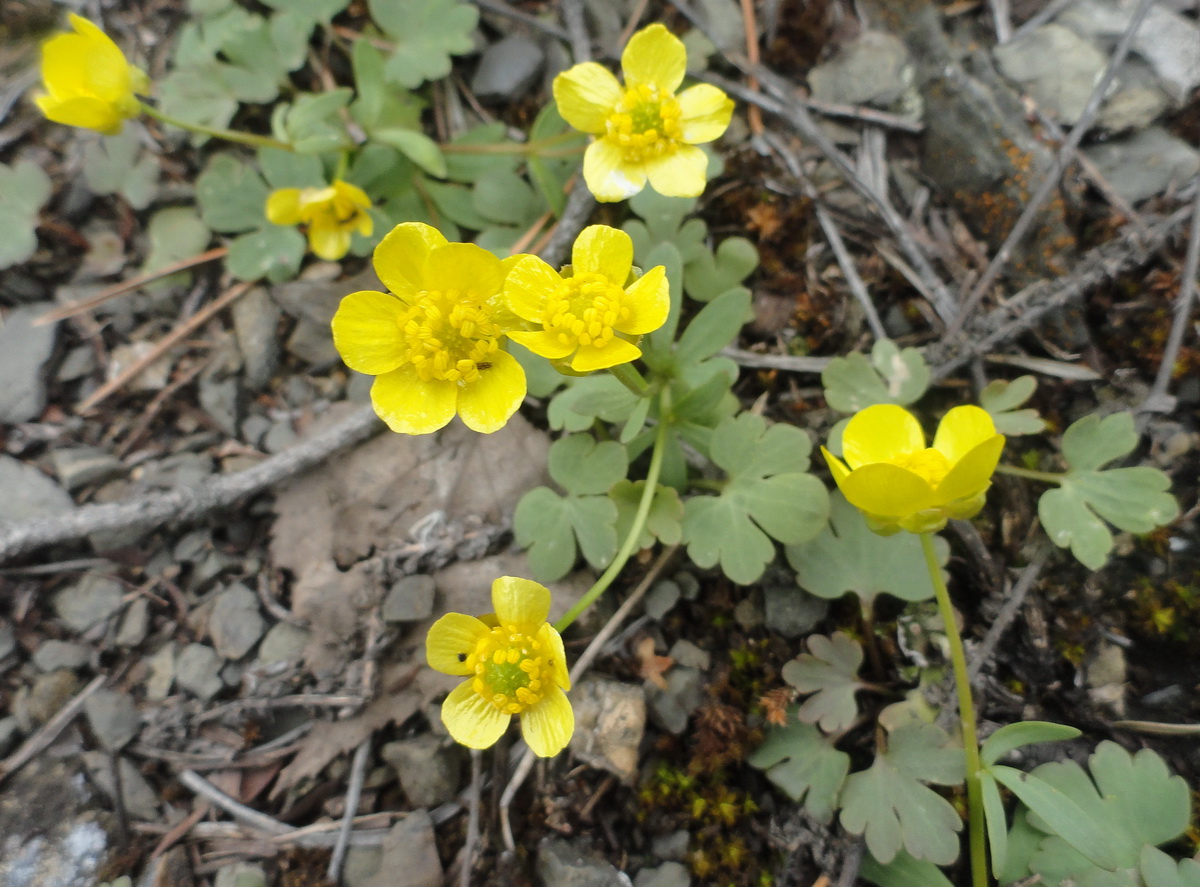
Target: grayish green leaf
[
  {"x": 425, "y": 33},
  {"x": 117, "y": 165},
  {"x": 231, "y": 195},
  {"x": 891, "y": 375},
  {"x": 174, "y": 233},
  {"x": 903, "y": 871},
  {"x": 829, "y": 671},
  {"x": 1019, "y": 735},
  {"x": 582, "y": 466},
  {"x": 711, "y": 274},
  {"x": 549, "y": 525},
  {"x": 804, "y": 765},
  {"x": 24, "y": 190},
  {"x": 273, "y": 252},
  {"x": 663, "y": 521},
  {"x": 1002, "y": 399}
]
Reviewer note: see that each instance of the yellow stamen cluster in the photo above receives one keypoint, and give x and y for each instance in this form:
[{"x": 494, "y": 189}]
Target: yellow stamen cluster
[
  {"x": 584, "y": 310},
  {"x": 511, "y": 669},
  {"x": 928, "y": 463},
  {"x": 449, "y": 336},
  {"x": 645, "y": 123}
]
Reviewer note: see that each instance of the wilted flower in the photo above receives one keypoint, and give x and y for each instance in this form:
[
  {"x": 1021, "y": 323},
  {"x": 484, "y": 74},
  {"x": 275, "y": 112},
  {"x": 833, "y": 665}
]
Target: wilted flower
[
  {"x": 89, "y": 83},
  {"x": 514, "y": 663},
  {"x": 332, "y": 214},
  {"x": 899, "y": 483},
  {"x": 643, "y": 130},
  {"x": 433, "y": 342}
]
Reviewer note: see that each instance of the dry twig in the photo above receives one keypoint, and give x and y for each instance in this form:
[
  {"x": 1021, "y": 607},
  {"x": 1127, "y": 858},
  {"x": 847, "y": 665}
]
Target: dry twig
[
  {"x": 48, "y": 732},
  {"x": 1158, "y": 400}
]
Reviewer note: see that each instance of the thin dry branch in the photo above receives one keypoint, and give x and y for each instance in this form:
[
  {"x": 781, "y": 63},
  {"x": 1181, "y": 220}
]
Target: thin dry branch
[{"x": 1158, "y": 399}]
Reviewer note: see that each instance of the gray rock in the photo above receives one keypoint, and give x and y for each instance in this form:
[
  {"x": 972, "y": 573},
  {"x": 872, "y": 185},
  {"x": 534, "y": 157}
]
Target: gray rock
[
  {"x": 254, "y": 428},
  {"x": 362, "y": 863},
  {"x": 53, "y": 655},
  {"x": 661, "y": 598},
  {"x": 410, "y": 600},
  {"x": 198, "y": 670},
  {"x": 24, "y": 348},
  {"x": 429, "y": 771},
  {"x": 79, "y": 466},
  {"x": 241, "y": 874},
  {"x": 279, "y": 436},
  {"x": 179, "y": 470},
  {"x": 162, "y": 672},
  {"x": 669, "y": 874},
  {"x": 219, "y": 398},
  {"x": 28, "y": 493},
  {"x": 1137, "y": 100},
  {"x": 235, "y": 624},
  {"x": 1146, "y": 163},
  {"x": 136, "y": 794},
  {"x": 78, "y": 363},
  {"x": 671, "y": 708},
  {"x": 673, "y": 846},
  {"x": 1056, "y": 66},
  {"x": 134, "y": 624},
  {"x": 873, "y": 70},
  {"x": 508, "y": 68},
  {"x": 410, "y": 856},
  {"x": 574, "y": 864},
  {"x": 256, "y": 323},
  {"x": 8, "y": 642},
  {"x": 283, "y": 643},
  {"x": 91, "y": 600},
  {"x": 684, "y": 652},
  {"x": 152, "y": 378},
  {"x": 313, "y": 303},
  {"x": 113, "y": 717},
  {"x": 791, "y": 611},
  {"x": 39, "y": 703},
  {"x": 9, "y": 731},
  {"x": 610, "y": 721}
]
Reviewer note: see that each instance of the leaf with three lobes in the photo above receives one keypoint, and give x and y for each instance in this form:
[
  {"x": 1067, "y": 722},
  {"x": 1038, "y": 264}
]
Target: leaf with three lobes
[
  {"x": 1159, "y": 870},
  {"x": 116, "y": 165},
  {"x": 829, "y": 671},
  {"x": 1002, "y": 399},
  {"x": 712, "y": 273},
  {"x": 582, "y": 466},
  {"x": 1131, "y": 499},
  {"x": 804, "y": 765},
  {"x": 890, "y": 805},
  {"x": 24, "y": 189},
  {"x": 663, "y": 521},
  {"x": 425, "y": 33},
  {"x": 892, "y": 375}
]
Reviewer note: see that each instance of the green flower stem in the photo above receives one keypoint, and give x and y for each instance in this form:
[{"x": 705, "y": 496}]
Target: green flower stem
[
  {"x": 966, "y": 718},
  {"x": 538, "y": 147},
  {"x": 229, "y": 135},
  {"x": 1045, "y": 477},
  {"x": 627, "y": 375},
  {"x": 639, "y": 523}
]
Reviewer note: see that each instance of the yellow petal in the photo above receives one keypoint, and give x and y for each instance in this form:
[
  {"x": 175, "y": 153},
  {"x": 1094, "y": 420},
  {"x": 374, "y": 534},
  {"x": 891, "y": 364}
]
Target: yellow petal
[
  {"x": 366, "y": 332},
  {"x": 487, "y": 404},
  {"x": 548, "y": 724},
  {"x": 543, "y": 344},
  {"x": 521, "y": 602},
  {"x": 352, "y": 194},
  {"x": 961, "y": 430},
  {"x": 972, "y": 473},
  {"x": 881, "y": 433},
  {"x": 655, "y": 56},
  {"x": 82, "y": 111},
  {"x": 411, "y": 406},
  {"x": 528, "y": 284},
  {"x": 649, "y": 301},
  {"x": 608, "y": 176},
  {"x": 464, "y": 267},
  {"x": 328, "y": 240},
  {"x": 681, "y": 174},
  {"x": 364, "y": 225},
  {"x": 836, "y": 466},
  {"x": 613, "y": 352},
  {"x": 886, "y": 490},
  {"x": 451, "y": 640},
  {"x": 555, "y": 653},
  {"x": 603, "y": 250},
  {"x": 283, "y": 206},
  {"x": 400, "y": 256},
  {"x": 705, "y": 112},
  {"x": 472, "y": 720},
  {"x": 586, "y": 94}
]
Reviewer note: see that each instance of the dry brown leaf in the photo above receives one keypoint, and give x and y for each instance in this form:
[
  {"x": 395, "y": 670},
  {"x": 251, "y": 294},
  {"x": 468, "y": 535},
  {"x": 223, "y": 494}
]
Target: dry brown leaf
[
  {"x": 651, "y": 666},
  {"x": 775, "y": 703}
]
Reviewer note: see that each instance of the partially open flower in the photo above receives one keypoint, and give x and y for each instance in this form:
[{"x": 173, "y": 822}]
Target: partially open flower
[
  {"x": 590, "y": 320},
  {"x": 332, "y": 214},
  {"x": 899, "y": 483},
  {"x": 514, "y": 663},
  {"x": 434, "y": 342},
  {"x": 89, "y": 83},
  {"x": 643, "y": 130}
]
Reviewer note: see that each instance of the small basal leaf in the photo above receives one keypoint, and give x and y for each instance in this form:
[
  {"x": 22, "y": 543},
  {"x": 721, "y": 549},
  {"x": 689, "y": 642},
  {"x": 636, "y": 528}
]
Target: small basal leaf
[
  {"x": 1019, "y": 735},
  {"x": 804, "y": 765},
  {"x": 847, "y": 557},
  {"x": 587, "y": 399},
  {"x": 416, "y": 146},
  {"x": 24, "y": 189},
  {"x": 891, "y": 375},
  {"x": 274, "y": 252},
  {"x": 555, "y": 528},
  {"x": 582, "y": 466},
  {"x": 1159, "y": 870},
  {"x": 175, "y": 233},
  {"x": 713, "y": 328},
  {"x": 425, "y": 34},
  {"x": 1132, "y": 499},
  {"x": 829, "y": 671},
  {"x": 711, "y": 274},
  {"x": 663, "y": 521},
  {"x": 117, "y": 165},
  {"x": 1002, "y": 399},
  {"x": 890, "y": 805},
  {"x": 903, "y": 871},
  {"x": 231, "y": 195},
  {"x": 995, "y": 821}
]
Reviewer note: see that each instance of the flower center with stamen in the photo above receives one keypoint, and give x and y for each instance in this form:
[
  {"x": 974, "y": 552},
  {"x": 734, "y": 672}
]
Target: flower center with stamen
[
  {"x": 929, "y": 463},
  {"x": 449, "y": 336},
  {"x": 511, "y": 669},
  {"x": 645, "y": 123},
  {"x": 584, "y": 309}
]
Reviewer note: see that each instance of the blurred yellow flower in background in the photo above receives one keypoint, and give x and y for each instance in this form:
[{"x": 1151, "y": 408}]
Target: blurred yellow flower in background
[
  {"x": 89, "y": 83},
  {"x": 434, "y": 342},
  {"x": 514, "y": 663},
  {"x": 899, "y": 483},
  {"x": 590, "y": 320},
  {"x": 332, "y": 214},
  {"x": 643, "y": 130}
]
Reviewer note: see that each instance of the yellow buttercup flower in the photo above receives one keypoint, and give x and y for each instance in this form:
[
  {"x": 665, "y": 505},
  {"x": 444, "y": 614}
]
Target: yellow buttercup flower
[
  {"x": 590, "y": 320},
  {"x": 89, "y": 82},
  {"x": 434, "y": 342},
  {"x": 332, "y": 214},
  {"x": 515, "y": 665},
  {"x": 643, "y": 130},
  {"x": 899, "y": 483}
]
